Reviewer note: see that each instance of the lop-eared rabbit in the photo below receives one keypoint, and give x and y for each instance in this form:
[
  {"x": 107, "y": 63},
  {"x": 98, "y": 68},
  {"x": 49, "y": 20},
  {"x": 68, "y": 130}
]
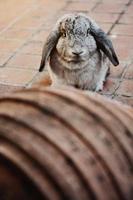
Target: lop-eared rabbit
[{"x": 79, "y": 53}]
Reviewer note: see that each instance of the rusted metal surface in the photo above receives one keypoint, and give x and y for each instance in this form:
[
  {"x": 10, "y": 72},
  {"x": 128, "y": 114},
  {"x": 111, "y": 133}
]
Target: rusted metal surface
[{"x": 67, "y": 145}]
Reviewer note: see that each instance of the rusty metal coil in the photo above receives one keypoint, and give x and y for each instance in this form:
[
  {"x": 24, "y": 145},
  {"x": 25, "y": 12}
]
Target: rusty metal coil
[{"x": 63, "y": 144}]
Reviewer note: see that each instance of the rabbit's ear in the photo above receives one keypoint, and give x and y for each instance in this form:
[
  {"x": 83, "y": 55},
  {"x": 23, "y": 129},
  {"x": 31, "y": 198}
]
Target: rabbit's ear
[
  {"x": 50, "y": 43},
  {"x": 104, "y": 43}
]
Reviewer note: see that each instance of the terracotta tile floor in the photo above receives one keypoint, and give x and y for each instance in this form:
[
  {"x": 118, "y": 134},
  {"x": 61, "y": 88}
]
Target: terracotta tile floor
[{"x": 23, "y": 31}]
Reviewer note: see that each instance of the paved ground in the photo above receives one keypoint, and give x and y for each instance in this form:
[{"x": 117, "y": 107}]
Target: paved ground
[{"x": 24, "y": 25}]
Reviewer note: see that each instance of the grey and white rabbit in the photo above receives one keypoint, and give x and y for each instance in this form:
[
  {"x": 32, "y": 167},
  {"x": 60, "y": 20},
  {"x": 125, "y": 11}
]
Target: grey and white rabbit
[{"x": 80, "y": 53}]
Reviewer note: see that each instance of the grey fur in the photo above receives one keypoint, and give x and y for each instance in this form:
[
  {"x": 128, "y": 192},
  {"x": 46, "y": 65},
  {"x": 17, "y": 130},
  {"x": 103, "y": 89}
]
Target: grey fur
[{"x": 79, "y": 52}]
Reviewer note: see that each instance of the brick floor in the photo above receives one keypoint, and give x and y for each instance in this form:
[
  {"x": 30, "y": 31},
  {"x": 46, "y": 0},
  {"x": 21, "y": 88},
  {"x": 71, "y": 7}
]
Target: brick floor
[{"x": 23, "y": 31}]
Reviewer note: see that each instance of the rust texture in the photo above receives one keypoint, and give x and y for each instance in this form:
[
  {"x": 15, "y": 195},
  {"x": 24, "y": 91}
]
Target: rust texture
[{"x": 63, "y": 144}]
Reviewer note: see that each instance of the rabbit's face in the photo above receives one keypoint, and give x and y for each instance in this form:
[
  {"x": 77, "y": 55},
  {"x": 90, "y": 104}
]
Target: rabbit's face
[
  {"x": 77, "y": 38},
  {"x": 75, "y": 44}
]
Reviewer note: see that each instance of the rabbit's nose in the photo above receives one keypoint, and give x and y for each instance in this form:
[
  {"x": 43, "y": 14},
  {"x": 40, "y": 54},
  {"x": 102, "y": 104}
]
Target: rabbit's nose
[{"x": 77, "y": 53}]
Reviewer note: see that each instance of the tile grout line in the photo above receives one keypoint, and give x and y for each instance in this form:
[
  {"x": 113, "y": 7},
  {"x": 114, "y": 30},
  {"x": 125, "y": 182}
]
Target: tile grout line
[
  {"x": 10, "y": 25},
  {"x": 121, "y": 78},
  {"x": 18, "y": 18},
  {"x": 127, "y": 64},
  {"x": 28, "y": 40},
  {"x": 97, "y": 3},
  {"x": 119, "y": 16}
]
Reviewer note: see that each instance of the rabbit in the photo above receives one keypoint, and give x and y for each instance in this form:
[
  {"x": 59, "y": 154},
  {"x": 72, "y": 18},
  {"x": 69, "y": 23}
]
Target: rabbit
[{"x": 79, "y": 53}]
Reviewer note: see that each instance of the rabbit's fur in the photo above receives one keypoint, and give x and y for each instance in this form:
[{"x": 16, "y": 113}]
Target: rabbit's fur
[{"x": 79, "y": 53}]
